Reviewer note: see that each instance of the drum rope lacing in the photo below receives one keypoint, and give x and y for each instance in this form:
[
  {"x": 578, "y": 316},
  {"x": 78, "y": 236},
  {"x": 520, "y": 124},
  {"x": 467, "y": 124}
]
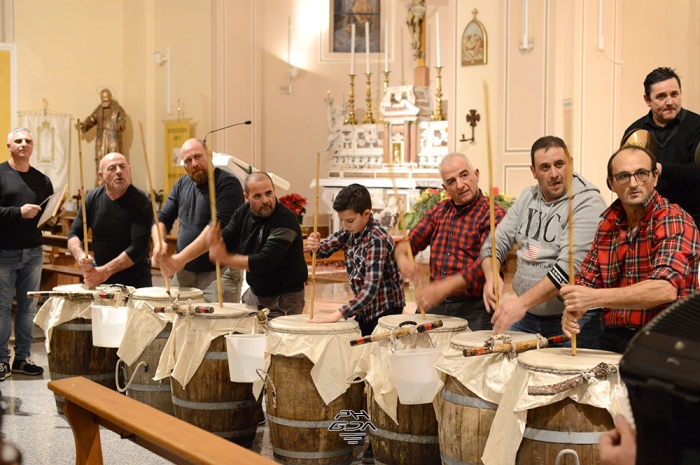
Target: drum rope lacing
[
  {"x": 133, "y": 375},
  {"x": 265, "y": 377},
  {"x": 564, "y": 452},
  {"x": 393, "y": 340},
  {"x": 591, "y": 376}
]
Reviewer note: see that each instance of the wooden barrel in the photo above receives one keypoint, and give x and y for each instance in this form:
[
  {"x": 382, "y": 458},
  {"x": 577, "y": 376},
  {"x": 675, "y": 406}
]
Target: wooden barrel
[
  {"x": 143, "y": 388},
  {"x": 157, "y": 394},
  {"x": 72, "y": 354},
  {"x": 565, "y": 424},
  {"x": 465, "y": 417},
  {"x": 298, "y": 417},
  {"x": 210, "y": 400},
  {"x": 414, "y": 439}
]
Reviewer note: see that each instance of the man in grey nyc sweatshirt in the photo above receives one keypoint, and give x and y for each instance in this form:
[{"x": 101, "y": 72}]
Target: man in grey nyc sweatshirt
[{"x": 538, "y": 222}]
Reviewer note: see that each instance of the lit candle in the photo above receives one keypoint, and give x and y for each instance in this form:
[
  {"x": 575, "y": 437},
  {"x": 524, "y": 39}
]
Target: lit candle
[
  {"x": 437, "y": 38},
  {"x": 525, "y": 34},
  {"x": 367, "y": 44},
  {"x": 352, "y": 49},
  {"x": 386, "y": 45}
]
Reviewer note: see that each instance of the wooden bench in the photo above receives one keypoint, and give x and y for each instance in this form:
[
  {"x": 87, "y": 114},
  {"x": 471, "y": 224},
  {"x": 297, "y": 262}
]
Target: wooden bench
[{"x": 89, "y": 405}]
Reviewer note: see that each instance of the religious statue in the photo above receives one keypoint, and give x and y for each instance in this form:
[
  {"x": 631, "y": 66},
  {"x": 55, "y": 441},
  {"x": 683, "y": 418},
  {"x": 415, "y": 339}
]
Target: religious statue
[
  {"x": 110, "y": 119},
  {"x": 334, "y": 120},
  {"x": 414, "y": 20}
]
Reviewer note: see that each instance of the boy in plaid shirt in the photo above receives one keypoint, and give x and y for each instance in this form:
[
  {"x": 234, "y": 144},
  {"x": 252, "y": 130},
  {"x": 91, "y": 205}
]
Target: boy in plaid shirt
[{"x": 369, "y": 260}]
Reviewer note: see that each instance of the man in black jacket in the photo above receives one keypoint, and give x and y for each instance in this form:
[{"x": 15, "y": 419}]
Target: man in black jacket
[
  {"x": 677, "y": 134},
  {"x": 264, "y": 238}
]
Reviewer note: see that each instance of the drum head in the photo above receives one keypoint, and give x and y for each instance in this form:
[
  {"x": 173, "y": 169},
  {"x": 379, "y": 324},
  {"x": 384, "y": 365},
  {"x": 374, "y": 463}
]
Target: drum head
[
  {"x": 229, "y": 310},
  {"x": 83, "y": 288},
  {"x": 449, "y": 323},
  {"x": 474, "y": 339},
  {"x": 298, "y": 324},
  {"x": 561, "y": 359},
  {"x": 160, "y": 293}
]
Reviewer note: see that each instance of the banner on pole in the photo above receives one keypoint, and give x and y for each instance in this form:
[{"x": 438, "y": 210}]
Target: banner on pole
[{"x": 176, "y": 133}]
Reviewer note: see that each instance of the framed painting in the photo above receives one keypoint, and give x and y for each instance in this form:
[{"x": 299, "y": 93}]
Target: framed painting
[
  {"x": 337, "y": 18},
  {"x": 474, "y": 43}
]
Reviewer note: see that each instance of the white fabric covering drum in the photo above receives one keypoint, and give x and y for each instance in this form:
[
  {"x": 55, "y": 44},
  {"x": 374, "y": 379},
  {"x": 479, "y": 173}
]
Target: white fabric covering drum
[
  {"x": 375, "y": 356},
  {"x": 473, "y": 389},
  {"x": 143, "y": 324},
  {"x": 192, "y": 334},
  {"x": 59, "y": 309},
  {"x": 546, "y": 367}
]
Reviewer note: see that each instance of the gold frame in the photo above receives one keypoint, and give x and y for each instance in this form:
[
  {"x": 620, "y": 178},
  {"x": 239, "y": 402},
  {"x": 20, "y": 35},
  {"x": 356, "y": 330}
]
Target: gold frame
[{"x": 474, "y": 28}]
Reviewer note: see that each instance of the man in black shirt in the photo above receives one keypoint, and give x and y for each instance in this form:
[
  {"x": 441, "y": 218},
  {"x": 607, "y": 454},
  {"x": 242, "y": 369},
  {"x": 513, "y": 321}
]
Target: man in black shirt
[
  {"x": 22, "y": 190},
  {"x": 677, "y": 134},
  {"x": 120, "y": 217},
  {"x": 264, "y": 238},
  {"x": 189, "y": 201}
]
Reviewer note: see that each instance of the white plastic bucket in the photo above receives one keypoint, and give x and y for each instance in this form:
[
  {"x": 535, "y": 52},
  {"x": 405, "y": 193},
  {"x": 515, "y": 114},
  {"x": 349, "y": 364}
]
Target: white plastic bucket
[
  {"x": 415, "y": 375},
  {"x": 108, "y": 325},
  {"x": 246, "y": 354}
]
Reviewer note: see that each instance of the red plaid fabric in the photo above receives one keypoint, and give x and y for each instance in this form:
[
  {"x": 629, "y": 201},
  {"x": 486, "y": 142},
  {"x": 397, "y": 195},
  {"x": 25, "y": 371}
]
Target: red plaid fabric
[
  {"x": 664, "y": 246},
  {"x": 455, "y": 234}
]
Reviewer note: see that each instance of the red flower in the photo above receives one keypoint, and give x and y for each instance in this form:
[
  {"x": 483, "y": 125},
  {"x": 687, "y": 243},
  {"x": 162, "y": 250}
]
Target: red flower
[{"x": 295, "y": 203}]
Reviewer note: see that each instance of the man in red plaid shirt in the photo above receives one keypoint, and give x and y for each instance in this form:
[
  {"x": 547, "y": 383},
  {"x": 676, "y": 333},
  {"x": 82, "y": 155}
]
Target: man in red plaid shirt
[
  {"x": 644, "y": 255},
  {"x": 454, "y": 229}
]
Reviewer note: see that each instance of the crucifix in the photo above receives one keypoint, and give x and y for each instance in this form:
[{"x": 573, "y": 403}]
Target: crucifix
[
  {"x": 415, "y": 20},
  {"x": 472, "y": 118}
]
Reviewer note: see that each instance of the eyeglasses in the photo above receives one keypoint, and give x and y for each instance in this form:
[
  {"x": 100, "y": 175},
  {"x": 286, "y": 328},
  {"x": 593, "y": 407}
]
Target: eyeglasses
[{"x": 639, "y": 175}]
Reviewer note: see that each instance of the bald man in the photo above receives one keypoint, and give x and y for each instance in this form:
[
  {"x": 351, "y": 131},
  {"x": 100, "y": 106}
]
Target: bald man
[
  {"x": 120, "y": 217},
  {"x": 188, "y": 201},
  {"x": 264, "y": 238}
]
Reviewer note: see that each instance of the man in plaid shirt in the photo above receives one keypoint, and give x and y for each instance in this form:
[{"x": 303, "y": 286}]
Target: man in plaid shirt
[
  {"x": 369, "y": 260},
  {"x": 454, "y": 229},
  {"x": 644, "y": 255}
]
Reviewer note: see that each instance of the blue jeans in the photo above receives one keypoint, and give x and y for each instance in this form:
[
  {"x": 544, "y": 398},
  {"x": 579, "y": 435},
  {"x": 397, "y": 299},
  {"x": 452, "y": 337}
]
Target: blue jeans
[
  {"x": 19, "y": 269},
  {"x": 547, "y": 326}
]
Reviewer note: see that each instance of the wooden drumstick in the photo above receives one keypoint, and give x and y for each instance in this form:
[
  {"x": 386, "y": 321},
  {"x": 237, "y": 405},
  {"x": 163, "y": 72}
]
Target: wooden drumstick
[
  {"x": 82, "y": 188},
  {"x": 570, "y": 190},
  {"x": 492, "y": 207},
  {"x": 401, "y": 332},
  {"x": 313, "y": 252},
  {"x": 402, "y": 227},
  {"x": 151, "y": 194},
  {"x": 212, "y": 205},
  {"x": 521, "y": 346}
]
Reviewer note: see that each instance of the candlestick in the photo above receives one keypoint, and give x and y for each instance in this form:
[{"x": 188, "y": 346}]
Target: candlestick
[
  {"x": 367, "y": 44},
  {"x": 437, "y": 38},
  {"x": 352, "y": 50},
  {"x": 351, "y": 102},
  {"x": 386, "y": 46},
  {"x": 369, "y": 119},
  {"x": 386, "y": 81},
  {"x": 437, "y": 114}
]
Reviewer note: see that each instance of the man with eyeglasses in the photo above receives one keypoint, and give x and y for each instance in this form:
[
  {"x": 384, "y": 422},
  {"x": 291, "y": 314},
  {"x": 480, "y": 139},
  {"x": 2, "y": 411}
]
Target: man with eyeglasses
[
  {"x": 677, "y": 135},
  {"x": 120, "y": 217},
  {"x": 643, "y": 258}
]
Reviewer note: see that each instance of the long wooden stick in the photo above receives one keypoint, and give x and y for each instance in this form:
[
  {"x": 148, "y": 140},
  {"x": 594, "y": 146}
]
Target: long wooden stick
[
  {"x": 151, "y": 194},
  {"x": 492, "y": 208},
  {"x": 401, "y": 332},
  {"x": 82, "y": 189},
  {"x": 521, "y": 346},
  {"x": 570, "y": 190},
  {"x": 402, "y": 227},
  {"x": 212, "y": 204},
  {"x": 313, "y": 252}
]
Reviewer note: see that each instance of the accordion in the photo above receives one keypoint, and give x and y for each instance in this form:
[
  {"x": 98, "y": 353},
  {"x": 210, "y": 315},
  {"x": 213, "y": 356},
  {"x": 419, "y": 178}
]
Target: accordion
[{"x": 661, "y": 368}]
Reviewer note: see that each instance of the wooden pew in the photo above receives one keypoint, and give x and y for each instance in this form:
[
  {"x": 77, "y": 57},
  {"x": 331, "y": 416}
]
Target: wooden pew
[{"x": 89, "y": 405}]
